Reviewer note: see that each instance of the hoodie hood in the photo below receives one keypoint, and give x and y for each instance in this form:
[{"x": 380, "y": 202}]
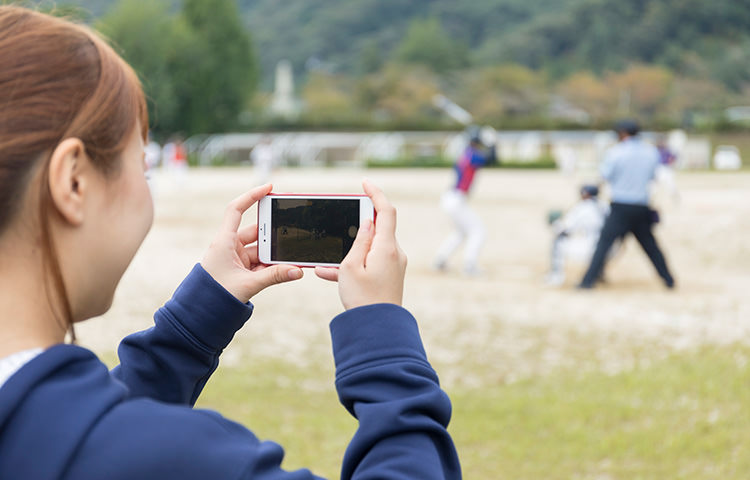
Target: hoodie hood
[{"x": 46, "y": 410}]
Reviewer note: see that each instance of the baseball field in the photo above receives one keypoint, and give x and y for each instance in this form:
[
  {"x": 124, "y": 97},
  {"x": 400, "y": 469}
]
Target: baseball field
[{"x": 630, "y": 380}]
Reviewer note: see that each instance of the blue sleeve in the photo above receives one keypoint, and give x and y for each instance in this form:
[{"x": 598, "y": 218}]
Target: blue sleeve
[
  {"x": 385, "y": 381},
  {"x": 607, "y": 167},
  {"x": 146, "y": 440},
  {"x": 172, "y": 361},
  {"x": 478, "y": 159},
  {"x": 655, "y": 162}
]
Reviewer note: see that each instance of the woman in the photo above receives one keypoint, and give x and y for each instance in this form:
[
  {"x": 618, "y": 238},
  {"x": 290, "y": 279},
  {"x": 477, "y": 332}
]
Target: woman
[{"x": 75, "y": 209}]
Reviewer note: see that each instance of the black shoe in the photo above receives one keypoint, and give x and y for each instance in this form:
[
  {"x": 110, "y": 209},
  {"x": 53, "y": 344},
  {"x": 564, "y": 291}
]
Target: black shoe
[{"x": 584, "y": 286}]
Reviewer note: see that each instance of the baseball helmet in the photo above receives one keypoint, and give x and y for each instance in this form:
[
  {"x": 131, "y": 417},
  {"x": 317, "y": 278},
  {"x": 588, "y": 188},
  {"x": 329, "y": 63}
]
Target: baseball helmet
[
  {"x": 474, "y": 134},
  {"x": 590, "y": 190}
]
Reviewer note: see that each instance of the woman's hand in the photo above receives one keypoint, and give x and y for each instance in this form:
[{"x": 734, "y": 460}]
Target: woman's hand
[
  {"x": 232, "y": 257},
  {"x": 373, "y": 270}
]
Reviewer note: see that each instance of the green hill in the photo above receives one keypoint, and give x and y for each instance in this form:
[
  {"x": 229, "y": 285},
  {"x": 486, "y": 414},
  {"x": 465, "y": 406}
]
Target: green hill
[
  {"x": 337, "y": 33},
  {"x": 688, "y": 36},
  {"x": 692, "y": 37},
  {"x": 380, "y": 63}
]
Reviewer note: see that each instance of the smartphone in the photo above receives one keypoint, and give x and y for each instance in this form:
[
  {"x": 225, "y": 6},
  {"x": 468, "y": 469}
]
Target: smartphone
[{"x": 308, "y": 229}]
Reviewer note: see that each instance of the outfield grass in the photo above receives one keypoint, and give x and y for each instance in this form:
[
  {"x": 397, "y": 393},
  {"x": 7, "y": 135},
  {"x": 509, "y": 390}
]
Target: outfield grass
[{"x": 685, "y": 417}]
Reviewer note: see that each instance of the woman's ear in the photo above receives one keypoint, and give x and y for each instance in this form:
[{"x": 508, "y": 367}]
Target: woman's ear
[{"x": 68, "y": 179}]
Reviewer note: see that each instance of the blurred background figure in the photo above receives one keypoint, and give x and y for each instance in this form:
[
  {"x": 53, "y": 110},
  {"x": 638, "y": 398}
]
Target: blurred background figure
[
  {"x": 565, "y": 157},
  {"x": 467, "y": 224},
  {"x": 152, "y": 152},
  {"x": 575, "y": 233},
  {"x": 629, "y": 167},
  {"x": 665, "y": 176},
  {"x": 174, "y": 157},
  {"x": 262, "y": 158},
  {"x": 152, "y": 157}
]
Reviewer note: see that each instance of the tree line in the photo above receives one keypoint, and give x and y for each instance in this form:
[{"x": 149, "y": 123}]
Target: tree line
[
  {"x": 207, "y": 65},
  {"x": 514, "y": 63}
]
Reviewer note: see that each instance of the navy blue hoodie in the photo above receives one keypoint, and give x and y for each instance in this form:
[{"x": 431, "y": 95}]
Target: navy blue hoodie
[{"x": 63, "y": 415}]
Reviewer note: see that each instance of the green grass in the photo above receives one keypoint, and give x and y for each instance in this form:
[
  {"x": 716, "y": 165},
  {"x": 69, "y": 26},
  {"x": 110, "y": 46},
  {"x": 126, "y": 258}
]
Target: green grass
[{"x": 685, "y": 417}]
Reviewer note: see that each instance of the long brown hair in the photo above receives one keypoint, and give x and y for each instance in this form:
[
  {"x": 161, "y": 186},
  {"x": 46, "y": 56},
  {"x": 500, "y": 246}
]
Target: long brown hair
[{"x": 58, "y": 80}]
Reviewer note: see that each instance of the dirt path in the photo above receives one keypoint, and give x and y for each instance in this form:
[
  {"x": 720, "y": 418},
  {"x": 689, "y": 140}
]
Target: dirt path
[{"x": 499, "y": 327}]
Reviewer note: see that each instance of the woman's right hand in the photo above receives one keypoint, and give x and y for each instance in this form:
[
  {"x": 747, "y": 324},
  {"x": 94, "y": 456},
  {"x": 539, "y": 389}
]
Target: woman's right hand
[
  {"x": 232, "y": 258},
  {"x": 373, "y": 270}
]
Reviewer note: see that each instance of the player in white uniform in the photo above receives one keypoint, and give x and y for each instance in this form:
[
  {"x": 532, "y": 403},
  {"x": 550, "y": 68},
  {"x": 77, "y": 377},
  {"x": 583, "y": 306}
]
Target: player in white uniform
[{"x": 576, "y": 233}]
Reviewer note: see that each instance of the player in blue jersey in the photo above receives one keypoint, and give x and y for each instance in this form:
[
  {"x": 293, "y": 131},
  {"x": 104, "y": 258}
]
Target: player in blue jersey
[{"x": 468, "y": 225}]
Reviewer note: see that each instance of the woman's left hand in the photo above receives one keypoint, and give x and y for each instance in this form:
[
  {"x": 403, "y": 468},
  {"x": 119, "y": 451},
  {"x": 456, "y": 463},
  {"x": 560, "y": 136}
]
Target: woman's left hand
[{"x": 232, "y": 257}]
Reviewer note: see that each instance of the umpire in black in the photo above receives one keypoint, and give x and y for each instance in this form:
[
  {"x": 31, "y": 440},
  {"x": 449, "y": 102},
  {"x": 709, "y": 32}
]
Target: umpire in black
[{"x": 628, "y": 167}]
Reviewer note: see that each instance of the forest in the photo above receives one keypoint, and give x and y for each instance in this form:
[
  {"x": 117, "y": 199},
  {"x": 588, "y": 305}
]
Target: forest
[{"x": 208, "y": 65}]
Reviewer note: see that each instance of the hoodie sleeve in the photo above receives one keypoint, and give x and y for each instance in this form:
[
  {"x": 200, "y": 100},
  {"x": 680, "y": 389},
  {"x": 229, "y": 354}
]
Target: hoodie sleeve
[
  {"x": 172, "y": 361},
  {"x": 385, "y": 381}
]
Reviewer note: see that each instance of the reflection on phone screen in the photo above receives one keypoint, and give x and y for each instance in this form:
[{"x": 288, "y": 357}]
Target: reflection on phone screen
[{"x": 313, "y": 230}]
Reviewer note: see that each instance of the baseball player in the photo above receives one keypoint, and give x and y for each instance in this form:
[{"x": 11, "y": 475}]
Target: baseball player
[
  {"x": 665, "y": 176},
  {"x": 468, "y": 226},
  {"x": 576, "y": 233}
]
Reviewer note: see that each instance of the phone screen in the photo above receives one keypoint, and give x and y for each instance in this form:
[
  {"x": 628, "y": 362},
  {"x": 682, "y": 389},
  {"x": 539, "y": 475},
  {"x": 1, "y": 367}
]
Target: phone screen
[{"x": 313, "y": 230}]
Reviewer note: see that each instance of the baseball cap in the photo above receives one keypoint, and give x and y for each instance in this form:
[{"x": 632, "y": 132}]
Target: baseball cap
[{"x": 628, "y": 126}]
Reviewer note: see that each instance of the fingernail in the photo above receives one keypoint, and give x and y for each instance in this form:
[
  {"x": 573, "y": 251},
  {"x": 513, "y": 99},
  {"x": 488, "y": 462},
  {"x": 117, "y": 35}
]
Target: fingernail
[
  {"x": 366, "y": 225},
  {"x": 295, "y": 274}
]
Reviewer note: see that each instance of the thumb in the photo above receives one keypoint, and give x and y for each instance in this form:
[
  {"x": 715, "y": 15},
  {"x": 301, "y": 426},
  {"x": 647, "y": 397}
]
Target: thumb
[
  {"x": 276, "y": 274},
  {"x": 361, "y": 245}
]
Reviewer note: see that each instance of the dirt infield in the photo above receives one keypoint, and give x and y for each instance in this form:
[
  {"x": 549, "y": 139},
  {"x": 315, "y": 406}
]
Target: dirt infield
[{"x": 499, "y": 327}]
